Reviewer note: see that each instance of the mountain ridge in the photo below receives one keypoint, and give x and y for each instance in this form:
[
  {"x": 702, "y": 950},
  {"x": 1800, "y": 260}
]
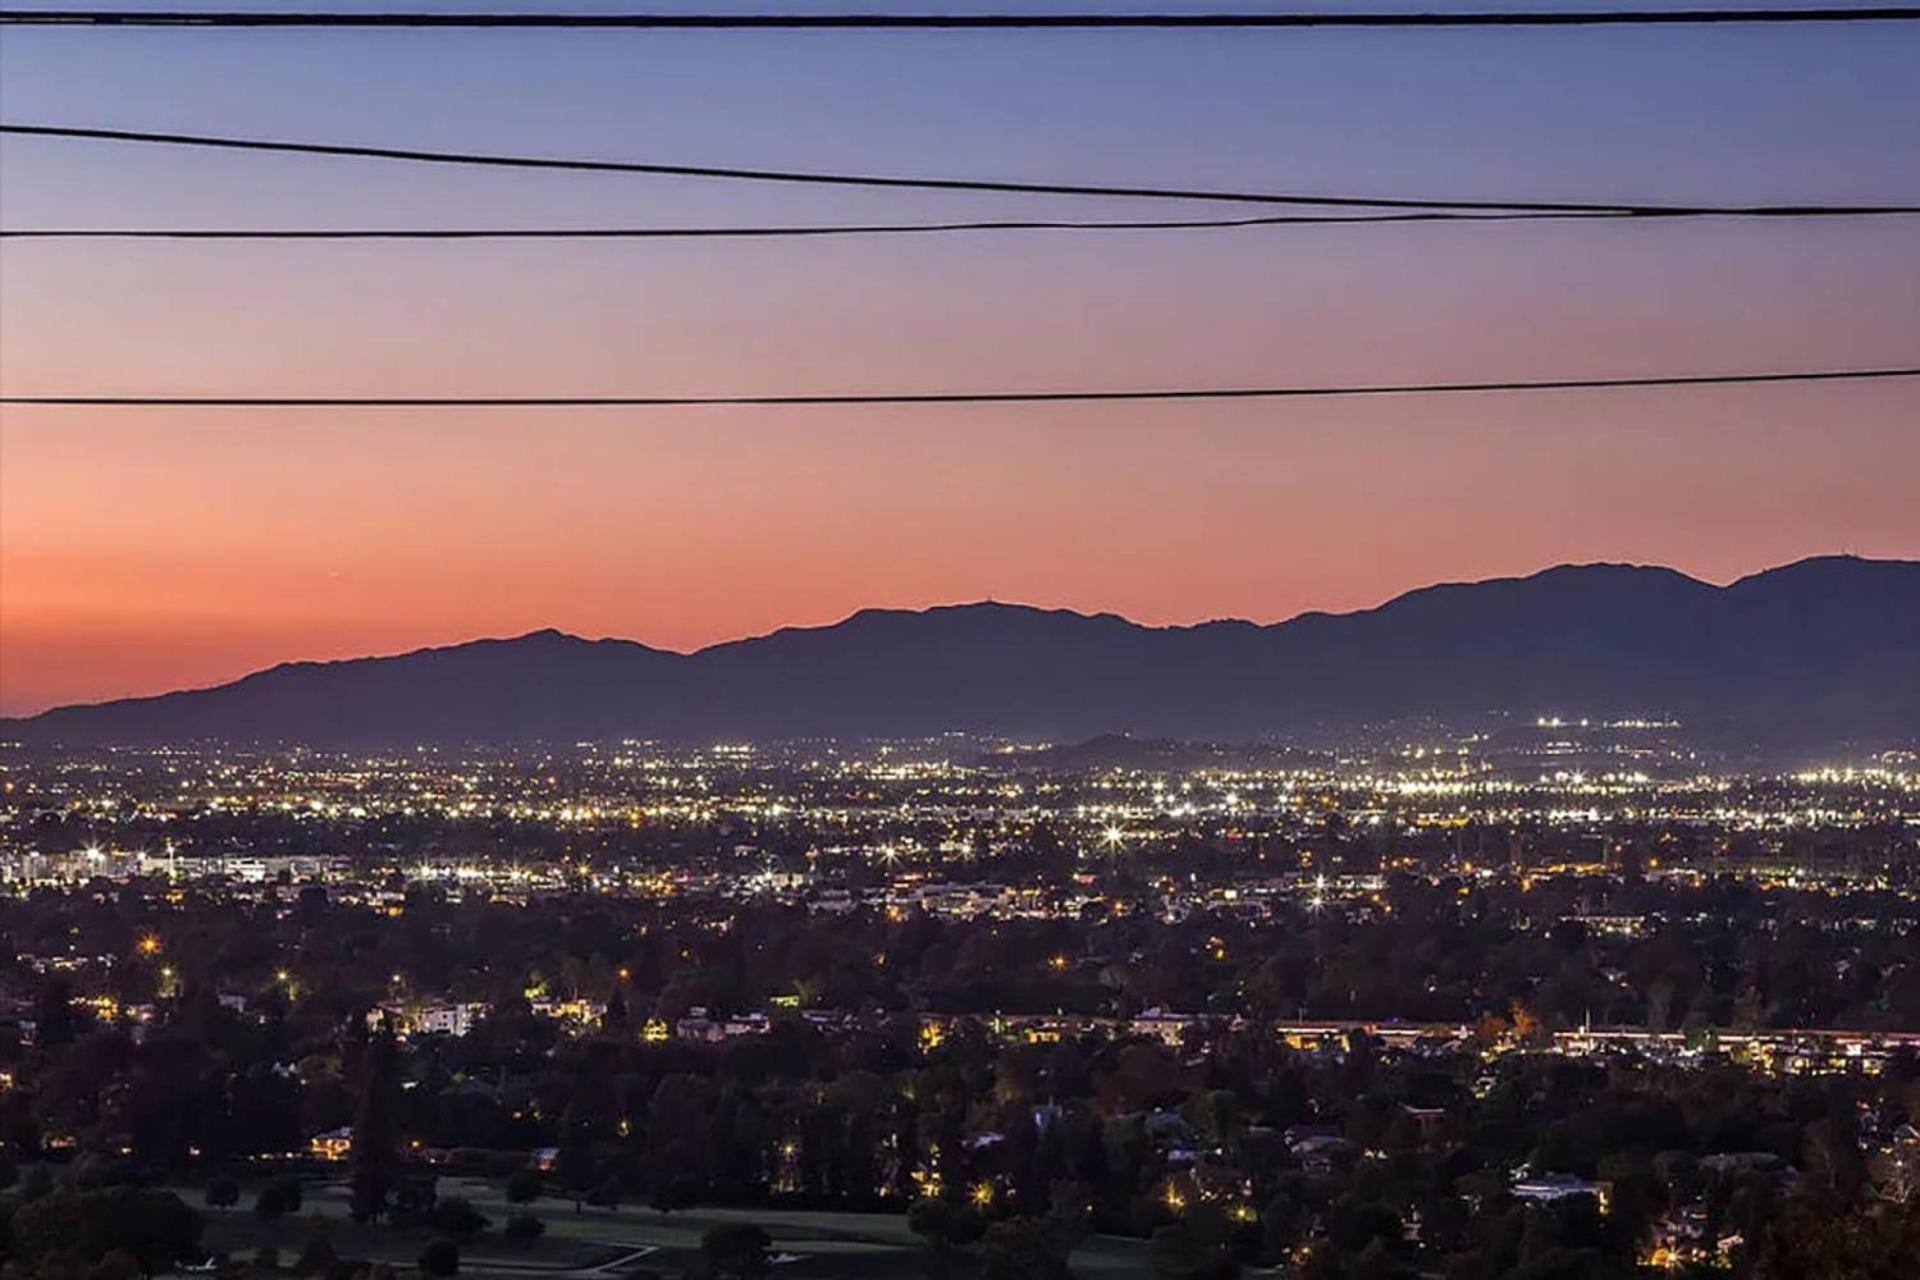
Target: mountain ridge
[{"x": 1824, "y": 645}]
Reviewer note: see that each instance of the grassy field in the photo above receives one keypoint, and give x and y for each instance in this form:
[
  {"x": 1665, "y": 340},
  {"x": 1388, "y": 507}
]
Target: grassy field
[{"x": 598, "y": 1244}]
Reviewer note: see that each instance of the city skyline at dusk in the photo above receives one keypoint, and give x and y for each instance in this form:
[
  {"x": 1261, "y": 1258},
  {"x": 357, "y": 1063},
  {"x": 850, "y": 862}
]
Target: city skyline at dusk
[{"x": 960, "y": 640}]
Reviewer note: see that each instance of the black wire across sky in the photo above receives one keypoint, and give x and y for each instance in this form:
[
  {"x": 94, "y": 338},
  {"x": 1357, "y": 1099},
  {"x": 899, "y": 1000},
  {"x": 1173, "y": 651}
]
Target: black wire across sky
[
  {"x": 416, "y": 155},
  {"x": 964, "y": 397},
  {"x": 189, "y": 18},
  {"x": 774, "y": 232}
]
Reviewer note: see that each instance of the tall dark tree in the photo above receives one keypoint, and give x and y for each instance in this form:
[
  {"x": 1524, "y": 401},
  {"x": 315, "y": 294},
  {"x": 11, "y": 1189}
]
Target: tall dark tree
[
  {"x": 375, "y": 1156},
  {"x": 54, "y": 1021}
]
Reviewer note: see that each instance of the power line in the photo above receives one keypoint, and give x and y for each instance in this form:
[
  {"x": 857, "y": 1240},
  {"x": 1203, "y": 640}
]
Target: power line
[
  {"x": 959, "y": 21},
  {"x": 492, "y": 160},
  {"x": 771, "y": 232},
  {"x": 960, "y": 397}
]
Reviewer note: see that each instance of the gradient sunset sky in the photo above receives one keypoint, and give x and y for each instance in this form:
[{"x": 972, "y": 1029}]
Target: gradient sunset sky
[{"x": 143, "y": 550}]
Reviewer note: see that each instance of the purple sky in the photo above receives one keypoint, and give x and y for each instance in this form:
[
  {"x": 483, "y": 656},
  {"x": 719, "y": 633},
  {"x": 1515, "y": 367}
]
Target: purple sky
[{"x": 144, "y": 550}]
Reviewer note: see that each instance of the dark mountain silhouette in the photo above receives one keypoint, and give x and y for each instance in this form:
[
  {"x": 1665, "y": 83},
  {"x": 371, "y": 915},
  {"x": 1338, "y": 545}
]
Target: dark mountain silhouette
[{"x": 1822, "y": 651}]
